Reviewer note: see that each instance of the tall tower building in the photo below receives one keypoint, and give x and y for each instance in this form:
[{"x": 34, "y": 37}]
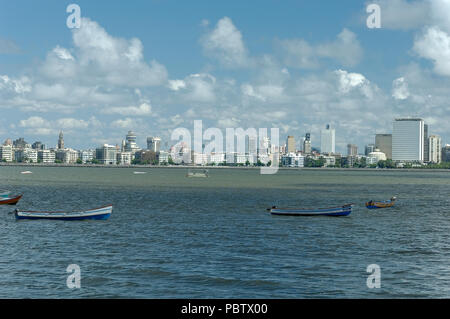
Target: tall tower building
[
  {"x": 290, "y": 144},
  {"x": 383, "y": 142},
  {"x": 252, "y": 145},
  {"x": 61, "y": 141},
  {"x": 307, "y": 149},
  {"x": 352, "y": 150},
  {"x": 435, "y": 149},
  {"x": 408, "y": 140},
  {"x": 426, "y": 145},
  {"x": 154, "y": 144},
  {"x": 130, "y": 143},
  {"x": 328, "y": 140}
]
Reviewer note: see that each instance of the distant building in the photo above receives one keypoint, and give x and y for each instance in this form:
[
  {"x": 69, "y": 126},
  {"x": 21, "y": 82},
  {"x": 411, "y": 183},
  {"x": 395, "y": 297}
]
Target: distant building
[
  {"x": 26, "y": 155},
  {"x": 328, "y": 140},
  {"x": 426, "y": 144},
  {"x": 61, "y": 141},
  {"x": 383, "y": 142},
  {"x": 446, "y": 153},
  {"x": 6, "y": 153},
  {"x": 307, "y": 148},
  {"x": 123, "y": 158},
  {"x": 264, "y": 147},
  {"x": 154, "y": 144},
  {"x": 106, "y": 154},
  {"x": 20, "y": 143},
  {"x": 38, "y": 146},
  {"x": 376, "y": 156},
  {"x": 352, "y": 150},
  {"x": 434, "y": 149},
  {"x": 130, "y": 143},
  {"x": 86, "y": 156},
  {"x": 369, "y": 149},
  {"x": 66, "y": 156},
  {"x": 46, "y": 156},
  {"x": 407, "y": 140},
  {"x": 290, "y": 145},
  {"x": 252, "y": 145},
  {"x": 292, "y": 160}
]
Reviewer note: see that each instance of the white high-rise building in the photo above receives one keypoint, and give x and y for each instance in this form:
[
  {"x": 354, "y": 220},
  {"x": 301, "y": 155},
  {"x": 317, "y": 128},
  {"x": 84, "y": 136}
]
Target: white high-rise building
[
  {"x": 408, "y": 140},
  {"x": 328, "y": 140},
  {"x": 435, "y": 149},
  {"x": 154, "y": 144}
]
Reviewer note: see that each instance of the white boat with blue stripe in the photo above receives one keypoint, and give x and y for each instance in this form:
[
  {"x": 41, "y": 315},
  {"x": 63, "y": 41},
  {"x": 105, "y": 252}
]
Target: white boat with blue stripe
[
  {"x": 344, "y": 210},
  {"x": 100, "y": 213}
]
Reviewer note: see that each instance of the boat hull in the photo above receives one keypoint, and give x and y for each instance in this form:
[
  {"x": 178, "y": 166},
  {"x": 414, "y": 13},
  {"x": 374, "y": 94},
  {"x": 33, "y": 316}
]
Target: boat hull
[
  {"x": 10, "y": 201},
  {"x": 379, "y": 205},
  {"x": 333, "y": 212},
  {"x": 101, "y": 213}
]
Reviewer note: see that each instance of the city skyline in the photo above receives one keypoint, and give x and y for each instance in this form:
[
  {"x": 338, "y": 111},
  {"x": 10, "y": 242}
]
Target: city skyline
[{"x": 234, "y": 71}]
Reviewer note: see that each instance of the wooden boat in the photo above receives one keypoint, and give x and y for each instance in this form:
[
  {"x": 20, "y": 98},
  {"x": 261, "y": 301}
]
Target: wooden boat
[
  {"x": 10, "y": 201},
  {"x": 100, "y": 213},
  {"x": 385, "y": 204},
  {"x": 4, "y": 194},
  {"x": 344, "y": 210}
]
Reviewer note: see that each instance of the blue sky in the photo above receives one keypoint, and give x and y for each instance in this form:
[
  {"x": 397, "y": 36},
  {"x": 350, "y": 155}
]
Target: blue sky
[{"x": 296, "y": 65}]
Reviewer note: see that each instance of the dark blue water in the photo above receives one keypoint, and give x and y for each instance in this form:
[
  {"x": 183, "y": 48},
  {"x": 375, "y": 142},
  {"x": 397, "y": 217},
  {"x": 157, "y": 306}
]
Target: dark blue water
[{"x": 174, "y": 237}]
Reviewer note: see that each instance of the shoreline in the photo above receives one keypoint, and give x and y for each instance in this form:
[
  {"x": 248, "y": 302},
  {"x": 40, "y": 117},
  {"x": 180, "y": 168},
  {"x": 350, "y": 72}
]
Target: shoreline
[{"x": 221, "y": 167}]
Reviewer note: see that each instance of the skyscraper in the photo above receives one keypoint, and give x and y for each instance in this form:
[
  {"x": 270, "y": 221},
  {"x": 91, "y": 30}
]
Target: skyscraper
[
  {"x": 435, "y": 149},
  {"x": 352, "y": 150},
  {"x": 407, "y": 140},
  {"x": 328, "y": 140},
  {"x": 154, "y": 144},
  {"x": 290, "y": 145},
  {"x": 369, "y": 149},
  {"x": 307, "y": 144},
  {"x": 130, "y": 143},
  {"x": 426, "y": 145},
  {"x": 253, "y": 145},
  {"x": 383, "y": 142}
]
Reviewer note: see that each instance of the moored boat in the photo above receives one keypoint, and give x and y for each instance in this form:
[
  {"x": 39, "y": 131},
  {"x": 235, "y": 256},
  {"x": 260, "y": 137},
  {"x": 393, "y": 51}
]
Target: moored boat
[
  {"x": 383, "y": 204},
  {"x": 4, "y": 194},
  {"x": 10, "y": 200},
  {"x": 100, "y": 213},
  {"x": 344, "y": 210}
]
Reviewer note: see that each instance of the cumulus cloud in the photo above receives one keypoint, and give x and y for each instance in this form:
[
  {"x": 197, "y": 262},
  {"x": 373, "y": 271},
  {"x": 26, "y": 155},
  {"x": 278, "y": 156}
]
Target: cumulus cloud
[
  {"x": 105, "y": 59},
  {"x": 199, "y": 87},
  {"x": 141, "y": 110},
  {"x": 346, "y": 50},
  {"x": 400, "y": 89},
  {"x": 225, "y": 44},
  {"x": 434, "y": 44}
]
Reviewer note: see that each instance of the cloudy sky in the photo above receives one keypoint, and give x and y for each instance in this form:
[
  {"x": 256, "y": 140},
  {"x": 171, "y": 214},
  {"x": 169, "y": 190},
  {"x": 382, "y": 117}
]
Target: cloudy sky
[{"x": 153, "y": 66}]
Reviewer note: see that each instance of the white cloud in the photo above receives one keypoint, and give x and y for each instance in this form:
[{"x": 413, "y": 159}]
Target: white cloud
[
  {"x": 434, "y": 45},
  {"x": 225, "y": 44},
  {"x": 400, "y": 89},
  {"x": 141, "y": 110},
  {"x": 346, "y": 49},
  {"x": 176, "y": 85}
]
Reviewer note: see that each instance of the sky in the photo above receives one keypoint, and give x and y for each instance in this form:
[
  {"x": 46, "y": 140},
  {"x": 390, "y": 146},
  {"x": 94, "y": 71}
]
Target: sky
[{"x": 154, "y": 66}]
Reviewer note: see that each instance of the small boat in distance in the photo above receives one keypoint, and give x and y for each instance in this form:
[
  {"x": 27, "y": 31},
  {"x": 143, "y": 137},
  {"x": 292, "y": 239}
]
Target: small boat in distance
[
  {"x": 385, "y": 204},
  {"x": 197, "y": 173},
  {"x": 344, "y": 210},
  {"x": 26, "y": 172},
  {"x": 139, "y": 173},
  {"x": 10, "y": 201},
  {"x": 101, "y": 213}
]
